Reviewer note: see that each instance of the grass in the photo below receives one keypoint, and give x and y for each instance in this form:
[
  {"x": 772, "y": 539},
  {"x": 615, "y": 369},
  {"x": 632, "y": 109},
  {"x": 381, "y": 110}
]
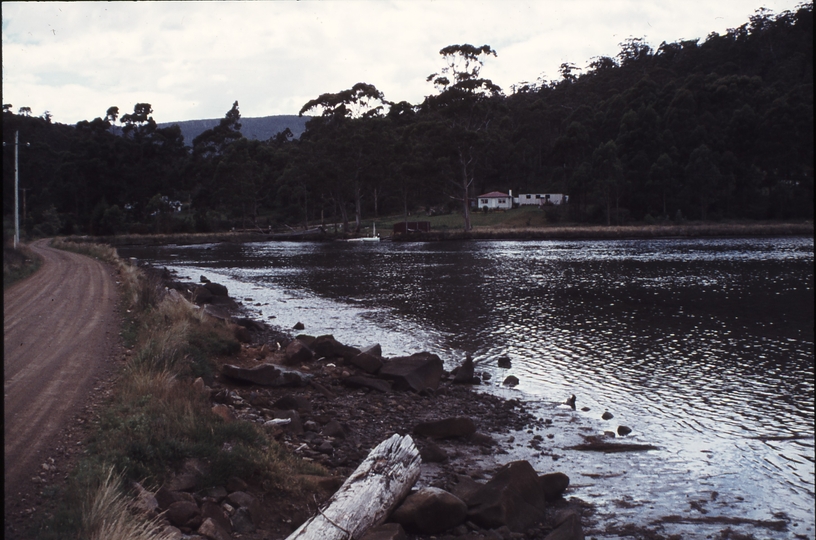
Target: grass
[
  {"x": 156, "y": 420},
  {"x": 18, "y": 264}
]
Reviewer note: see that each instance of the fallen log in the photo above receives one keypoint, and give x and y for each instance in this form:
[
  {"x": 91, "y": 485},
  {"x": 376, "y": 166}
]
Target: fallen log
[{"x": 369, "y": 495}]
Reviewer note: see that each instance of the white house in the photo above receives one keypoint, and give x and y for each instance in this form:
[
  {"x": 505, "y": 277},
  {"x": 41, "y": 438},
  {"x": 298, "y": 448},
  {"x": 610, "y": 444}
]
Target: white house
[
  {"x": 541, "y": 199},
  {"x": 495, "y": 200}
]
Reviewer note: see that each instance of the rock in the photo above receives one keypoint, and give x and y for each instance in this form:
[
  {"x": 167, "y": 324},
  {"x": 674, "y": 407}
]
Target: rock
[
  {"x": 367, "y": 362},
  {"x": 328, "y": 347},
  {"x": 211, "y": 510},
  {"x": 511, "y": 380},
  {"x": 504, "y": 362},
  {"x": 568, "y": 529},
  {"x": 373, "y": 350},
  {"x": 386, "y": 531},
  {"x": 607, "y": 415},
  {"x": 571, "y": 401},
  {"x": 213, "y": 530},
  {"x": 294, "y": 425},
  {"x": 297, "y": 352},
  {"x": 418, "y": 372},
  {"x": 202, "y": 295},
  {"x": 482, "y": 439},
  {"x": 432, "y": 453},
  {"x": 240, "y": 333},
  {"x": 265, "y": 375},
  {"x": 465, "y": 488},
  {"x": 430, "y": 511},
  {"x": 460, "y": 426},
  {"x": 298, "y": 326},
  {"x": 249, "y": 324},
  {"x": 165, "y": 497},
  {"x": 203, "y": 279},
  {"x": 585, "y": 409},
  {"x": 553, "y": 485},
  {"x": 325, "y": 448},
  {"x": 513, "y": 497},
  {"x": 465, "y": 373},
  {"x": 242, "y": 499},
  {"x": 224, "y": 412},
  {"x": 216, "y": 289},
  {"x": 296, "y": 403},
  {"x": 183, "y": 482},
  {"x": 144, "y": 501},
  {"x": 242, "y": 521},
  {"x": 367, "y": 382},
  {"x": 334, "y": 429},
  {"x": 184, "y": 514},
  {"x": 235, "y": 484},
  {"x": 218, "y": 493},
  {"x": 624, "y": 431}
]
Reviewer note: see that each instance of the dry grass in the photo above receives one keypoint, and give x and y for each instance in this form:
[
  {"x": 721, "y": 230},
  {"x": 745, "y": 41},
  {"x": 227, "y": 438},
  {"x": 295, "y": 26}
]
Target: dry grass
[{"x": 107, "y": 515}]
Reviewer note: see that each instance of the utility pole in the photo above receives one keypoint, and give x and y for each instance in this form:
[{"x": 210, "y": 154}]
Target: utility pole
[
  {"x": 16, "y": 194},
  {"x": 16, "y": 188}
]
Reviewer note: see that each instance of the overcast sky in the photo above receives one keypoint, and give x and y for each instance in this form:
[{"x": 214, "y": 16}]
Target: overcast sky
[{"x": 191, "y": 60}]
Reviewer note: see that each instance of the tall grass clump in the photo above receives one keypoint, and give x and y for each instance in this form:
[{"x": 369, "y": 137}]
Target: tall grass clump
[{"x": 107, "y": 515}]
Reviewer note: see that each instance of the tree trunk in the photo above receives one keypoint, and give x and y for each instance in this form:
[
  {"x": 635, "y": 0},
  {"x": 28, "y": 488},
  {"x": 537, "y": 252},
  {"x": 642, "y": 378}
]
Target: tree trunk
[{"x": 369, "y": 495}]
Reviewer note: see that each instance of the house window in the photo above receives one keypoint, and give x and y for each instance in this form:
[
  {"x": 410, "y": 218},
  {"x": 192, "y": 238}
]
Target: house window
[
  {"x": 538, "y": 196},
  {"x": 484, "y": 201},
  {"x": 501, "y": 201},
  {"x": 528, "y": 196}
]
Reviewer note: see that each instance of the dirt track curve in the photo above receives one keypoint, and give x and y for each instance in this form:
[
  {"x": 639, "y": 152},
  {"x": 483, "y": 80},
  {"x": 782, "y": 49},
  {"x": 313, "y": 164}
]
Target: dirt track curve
[{"x": 61, "y": 327}]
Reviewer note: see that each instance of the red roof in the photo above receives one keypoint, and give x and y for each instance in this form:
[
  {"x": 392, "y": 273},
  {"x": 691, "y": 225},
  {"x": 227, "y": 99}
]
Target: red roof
[{"x": 493, "y": 195}]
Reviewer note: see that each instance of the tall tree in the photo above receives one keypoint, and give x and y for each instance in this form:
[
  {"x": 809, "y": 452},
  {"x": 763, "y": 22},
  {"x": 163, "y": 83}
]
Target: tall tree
[{"x": 463, "y": 108}]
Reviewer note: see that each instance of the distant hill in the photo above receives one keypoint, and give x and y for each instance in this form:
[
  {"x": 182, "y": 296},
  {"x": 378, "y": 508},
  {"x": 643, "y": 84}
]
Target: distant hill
[{"x": 253, "y": 128}]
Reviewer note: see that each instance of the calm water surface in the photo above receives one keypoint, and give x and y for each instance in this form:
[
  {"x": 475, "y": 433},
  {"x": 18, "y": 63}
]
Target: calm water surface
[{"x": 702, "y": 347}]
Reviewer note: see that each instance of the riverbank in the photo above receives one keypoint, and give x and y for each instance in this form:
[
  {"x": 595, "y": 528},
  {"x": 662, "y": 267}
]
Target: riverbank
[{"x": 507, "y": 231}]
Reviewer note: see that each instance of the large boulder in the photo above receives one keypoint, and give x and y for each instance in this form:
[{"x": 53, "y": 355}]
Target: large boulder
[
  {"x": 513, "y": 497},
  {"x": 430, "y": 511},
  {"x": 460, "y": 426},
  {"x": 367, "y": 362},
  {"x": 464, "y": 375},
  {"x": 419, "y": 372},
  {"x": 386, "y": 531},
  {"x": 216, "y": 289},
  {"x": 553, "y": 485},
  {"x": 328, "y": 347},
  {"x": 265, "y": 375},
  {"x": 184, "y": 514},
  {"x": 297, "y": 353},
  {"x": 569, "y": 528}
]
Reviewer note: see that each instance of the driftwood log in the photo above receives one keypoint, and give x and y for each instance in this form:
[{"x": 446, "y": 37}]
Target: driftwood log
[{"x": 369, "y": 495}]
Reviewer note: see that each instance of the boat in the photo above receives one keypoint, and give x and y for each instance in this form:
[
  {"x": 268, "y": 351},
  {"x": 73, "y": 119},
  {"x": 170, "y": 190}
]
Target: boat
[{"x": 373, "y": 238}]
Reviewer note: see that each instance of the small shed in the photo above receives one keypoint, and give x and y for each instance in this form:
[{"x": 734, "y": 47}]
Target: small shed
[
  {"x": 412, "y": 226},
  {"x": 495, "y": 200}
]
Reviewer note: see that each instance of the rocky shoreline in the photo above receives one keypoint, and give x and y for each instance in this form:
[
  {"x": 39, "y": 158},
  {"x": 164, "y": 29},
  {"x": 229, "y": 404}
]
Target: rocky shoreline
[{"x": 330, "y": 404}]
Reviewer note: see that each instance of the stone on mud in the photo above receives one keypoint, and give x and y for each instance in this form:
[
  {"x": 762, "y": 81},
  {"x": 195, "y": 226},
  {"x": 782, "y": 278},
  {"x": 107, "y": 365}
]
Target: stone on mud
[
  {"x": 513, "y": 497},
  {"x": 459, "y": 426},
  {"x": 430, "y": 511},
  {"x": 418, "y": 372}
]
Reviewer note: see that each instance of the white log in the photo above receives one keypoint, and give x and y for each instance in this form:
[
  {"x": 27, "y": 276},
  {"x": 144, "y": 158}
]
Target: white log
[{"x": 369, "y": 495}]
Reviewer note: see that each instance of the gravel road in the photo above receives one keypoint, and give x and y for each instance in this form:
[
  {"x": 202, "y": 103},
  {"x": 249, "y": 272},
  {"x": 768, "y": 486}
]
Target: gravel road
[{"x": 61, "y": 329}]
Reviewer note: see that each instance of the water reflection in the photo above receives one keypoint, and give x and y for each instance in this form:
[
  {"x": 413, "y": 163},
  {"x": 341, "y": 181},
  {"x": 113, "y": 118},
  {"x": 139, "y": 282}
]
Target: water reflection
[{"x": 703, "y": 346}]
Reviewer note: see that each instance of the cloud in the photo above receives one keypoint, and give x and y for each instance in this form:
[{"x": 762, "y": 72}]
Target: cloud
[{"x": 193, "y": 59}]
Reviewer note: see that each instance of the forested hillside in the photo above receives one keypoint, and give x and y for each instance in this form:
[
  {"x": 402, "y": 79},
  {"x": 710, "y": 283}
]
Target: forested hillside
[
  {"x": 720, "y": 128},
  {"x": 252, "y": 128}
]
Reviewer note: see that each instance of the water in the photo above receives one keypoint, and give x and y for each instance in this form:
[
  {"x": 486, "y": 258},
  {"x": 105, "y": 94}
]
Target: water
[{"x": 703, "y": 347}]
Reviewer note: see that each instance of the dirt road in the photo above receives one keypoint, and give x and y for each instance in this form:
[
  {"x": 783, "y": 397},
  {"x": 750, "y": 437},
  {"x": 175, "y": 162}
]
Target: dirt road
[{"x": 61, "y": 329}]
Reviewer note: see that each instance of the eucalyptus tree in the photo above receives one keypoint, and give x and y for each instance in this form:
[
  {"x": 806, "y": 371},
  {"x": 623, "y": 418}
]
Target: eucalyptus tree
[
  {"x": 462, "y": 111},
  {"x": 347, "y": 131}
]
